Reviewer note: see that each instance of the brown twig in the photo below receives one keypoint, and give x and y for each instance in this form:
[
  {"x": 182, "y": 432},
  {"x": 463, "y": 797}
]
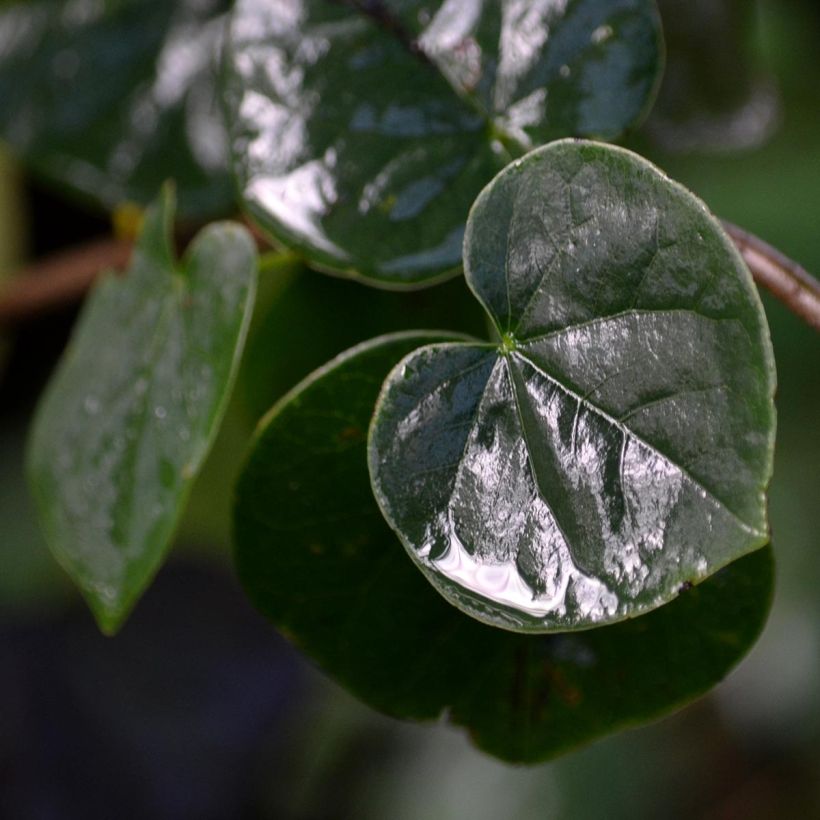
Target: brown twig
[
  {"x": 65, "y": 277},
  {"x": 787, "y": 281},
  {"x": 60, "y": 279}
]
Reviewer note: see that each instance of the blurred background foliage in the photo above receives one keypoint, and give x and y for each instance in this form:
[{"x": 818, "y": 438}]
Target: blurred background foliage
[{"x": 199, "y": 710}]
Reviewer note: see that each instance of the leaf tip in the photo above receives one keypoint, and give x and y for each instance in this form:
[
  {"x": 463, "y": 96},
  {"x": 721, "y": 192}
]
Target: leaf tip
[
  {"x": 109, "y": 612},
  {"x": 109, "y": 628}
]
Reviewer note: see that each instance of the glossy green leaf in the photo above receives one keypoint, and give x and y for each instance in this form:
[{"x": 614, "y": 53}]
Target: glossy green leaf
[
  {"x": 617, "y": 443},
  {"x": 361, "y": 132},
  {"x": 135, "y": 403},
  {"x": 111, "y": 98},
  {"x": 316, "y": 556}
]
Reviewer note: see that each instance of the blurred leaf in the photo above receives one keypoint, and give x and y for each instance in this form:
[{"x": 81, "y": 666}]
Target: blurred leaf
[
  {"x": 714, "y": 97},
  {"x": 315, "y": 555},
  {"x": 111, "y": 98},
  {"x": 617, "y": 444},
  {"x": 361, "y": 132},
  {"x": 133, "y": 408}
]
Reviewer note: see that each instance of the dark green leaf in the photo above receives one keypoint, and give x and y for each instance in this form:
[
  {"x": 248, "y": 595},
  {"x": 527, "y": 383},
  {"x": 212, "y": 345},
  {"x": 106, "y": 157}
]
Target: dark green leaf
[
  {"x": 362, "y": 131},
  {"x": 315, "y": 555},
  {"x": 134, "y": 406},
  {"x": 617, "y": 444},
  {"x": 112, "y": 97}
]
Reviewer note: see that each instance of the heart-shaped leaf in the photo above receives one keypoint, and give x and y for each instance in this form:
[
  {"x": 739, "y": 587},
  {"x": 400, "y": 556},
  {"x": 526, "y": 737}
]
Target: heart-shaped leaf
[
  {"x": 616, "y": 444},
  {"x": 131, "y": 412},
  {"x": 315, "y": 555},
  {"x": 110, "y": 98},
  {"x": 362, "y": 132}
]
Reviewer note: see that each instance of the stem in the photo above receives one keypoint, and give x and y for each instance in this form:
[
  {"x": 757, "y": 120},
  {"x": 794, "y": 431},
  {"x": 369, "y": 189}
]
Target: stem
[
  {"x": 63, "y": 278},
  {"x": 60, "y": 279},
  {"x": 787, "y": 281}
]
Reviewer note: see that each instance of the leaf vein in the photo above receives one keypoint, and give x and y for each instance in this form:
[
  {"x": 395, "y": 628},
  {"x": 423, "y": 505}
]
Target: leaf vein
[{"x": 616, "y": 423}]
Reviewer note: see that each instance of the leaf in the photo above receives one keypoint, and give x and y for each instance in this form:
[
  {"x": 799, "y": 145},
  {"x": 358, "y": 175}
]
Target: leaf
[
  {"x": 111, "y": 98},
  {"x": 134, "y": 406},
  {"x": 617, "y": 443},
  {"x": 315, "y": 555},
  {"x": 362, "y": 132}
]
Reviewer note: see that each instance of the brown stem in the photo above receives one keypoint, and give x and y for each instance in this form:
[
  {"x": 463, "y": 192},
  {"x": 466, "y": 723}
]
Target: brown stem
[
  {"x": 60, "y": 279},
  {"x": 787, "y": 281},
  {"x": 64, "y": 277}
]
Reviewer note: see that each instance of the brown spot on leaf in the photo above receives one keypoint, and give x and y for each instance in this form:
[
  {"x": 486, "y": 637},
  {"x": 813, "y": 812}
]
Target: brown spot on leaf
[
  {"x": 564, "y": 690},
  {"x": 351, "y": 434}
]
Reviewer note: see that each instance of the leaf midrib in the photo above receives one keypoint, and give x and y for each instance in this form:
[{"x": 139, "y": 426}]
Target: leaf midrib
[
  {"x": 142, "y": 409},
  {"x": 382, "y": 18}
]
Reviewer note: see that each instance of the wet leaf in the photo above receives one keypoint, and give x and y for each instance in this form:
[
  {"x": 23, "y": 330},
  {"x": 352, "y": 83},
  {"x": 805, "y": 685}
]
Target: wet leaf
[
  {"x": 135, "y": 403},
  {"x": 111, "y": 98},
  {"x": 315, "y": 555},
  {"x": 362, "y": 132},
  {"x": 617, "y": 443}
]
